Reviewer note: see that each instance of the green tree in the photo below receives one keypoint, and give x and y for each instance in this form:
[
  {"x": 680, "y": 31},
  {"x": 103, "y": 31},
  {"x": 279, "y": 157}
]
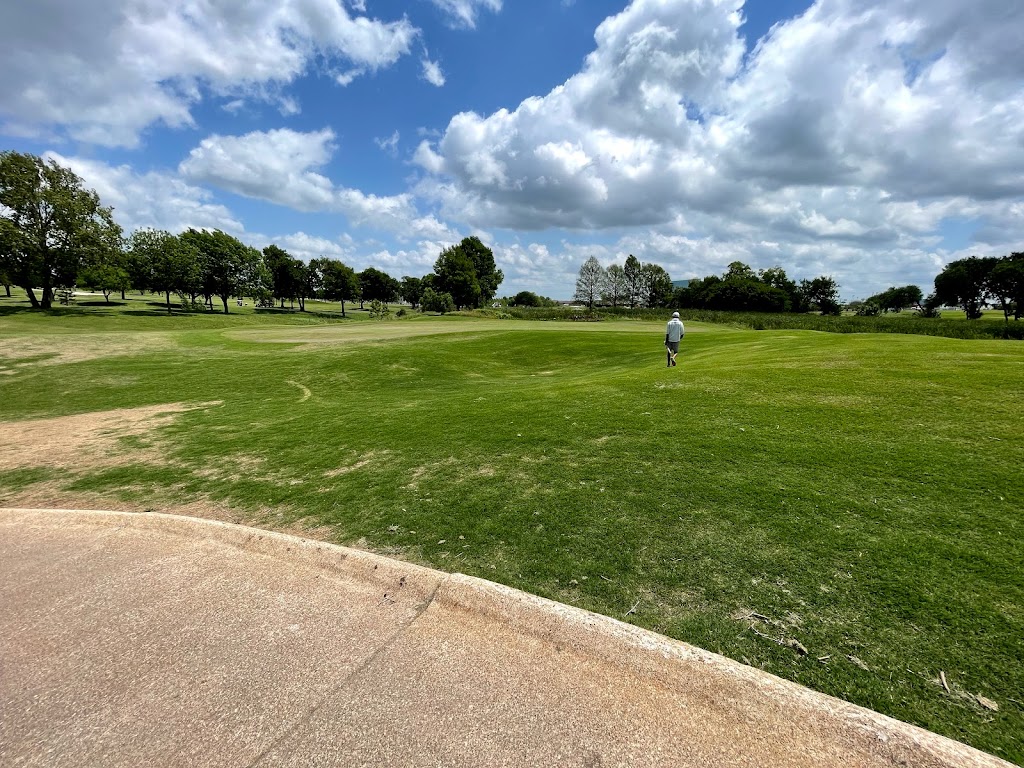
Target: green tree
[
  {"x": 1006, "y": 284},
  {"x": 411, "y": 290},
  {"x": 633, "y": 275},
  {"x": 737, "y": 270},
  {"x": 282, "y": 273},
  {"x": 965, "y": 283},
  {"x": 614, "y": 290},
  {"x": 456, "y": 275},
  {"x": 339, "y": 282},
  {"x": 488, "y": 276},
  {"x": 776, "y": 277},
  {"x": 896, "y": 299},
  {"x": 165, "y": 263},
  {"x": 377, "y": 285},
  {"x": 228, "y": 264},
  {"x": 106, "y": 275},
  {"x": 823, "y": 293},
  {"x": 527, "y": 299},
  {"x": 434, "y": 301},
  {"x": 590, "y": 282},
  {"x": 657, "y": 285},
  {"x": 52, "y": 224}
]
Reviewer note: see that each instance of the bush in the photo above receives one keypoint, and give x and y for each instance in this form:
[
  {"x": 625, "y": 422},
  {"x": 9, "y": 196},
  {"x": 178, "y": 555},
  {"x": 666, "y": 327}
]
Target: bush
[
  {"x": 379, "y": 310},
  {"x": 433, "y": 301},
  {"x": 400, "y": 312}
]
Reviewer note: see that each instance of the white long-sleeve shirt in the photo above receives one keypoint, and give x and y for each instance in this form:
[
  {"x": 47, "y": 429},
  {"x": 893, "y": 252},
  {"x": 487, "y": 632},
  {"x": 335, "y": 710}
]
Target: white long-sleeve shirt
[{"x": 674, "y": 331}]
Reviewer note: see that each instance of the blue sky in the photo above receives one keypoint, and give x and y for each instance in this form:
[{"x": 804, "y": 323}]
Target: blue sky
[{"x": 868, "y": 140}]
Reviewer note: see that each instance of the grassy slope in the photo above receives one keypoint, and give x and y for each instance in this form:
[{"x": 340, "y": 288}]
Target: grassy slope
[{"x": 863, "y": 492}]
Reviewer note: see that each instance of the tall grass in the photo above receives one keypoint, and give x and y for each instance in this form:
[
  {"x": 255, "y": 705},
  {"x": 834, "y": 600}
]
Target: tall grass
[{"x": 907, "y": 323}]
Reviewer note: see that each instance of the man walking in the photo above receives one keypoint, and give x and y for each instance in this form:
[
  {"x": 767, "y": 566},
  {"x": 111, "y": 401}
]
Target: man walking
[{"x": 674, "y": 332}]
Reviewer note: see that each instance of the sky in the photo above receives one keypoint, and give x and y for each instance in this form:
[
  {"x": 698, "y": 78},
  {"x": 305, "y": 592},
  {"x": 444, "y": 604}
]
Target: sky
[{"x": 870, "y": 140}]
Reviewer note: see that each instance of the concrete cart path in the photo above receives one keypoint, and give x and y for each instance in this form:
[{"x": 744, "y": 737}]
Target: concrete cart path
[{"x": 153, "y": 640}]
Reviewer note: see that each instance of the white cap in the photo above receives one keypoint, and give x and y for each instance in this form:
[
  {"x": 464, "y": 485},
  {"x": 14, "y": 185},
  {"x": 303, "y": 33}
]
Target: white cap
[{"x": 675, "y": 314}]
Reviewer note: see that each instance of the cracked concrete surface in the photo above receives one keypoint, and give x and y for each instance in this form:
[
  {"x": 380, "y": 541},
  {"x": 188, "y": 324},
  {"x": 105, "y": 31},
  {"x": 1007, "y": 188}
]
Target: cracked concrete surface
[{"x": 145, "y": 639}]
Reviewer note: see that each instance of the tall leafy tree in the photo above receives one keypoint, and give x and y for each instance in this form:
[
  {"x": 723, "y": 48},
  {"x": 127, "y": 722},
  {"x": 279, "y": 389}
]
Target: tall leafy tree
[
  {"x": 590, "y": 282},
  {"x": 1006, "y": 283},
  {"x": 657, "y": 286},
  {"x": 737, "y": 270},
  {"x": 338, "y": 281},
  {"x": 456, "y": 275},
  {"x": 776, "y": 278},
  {"x": 282, "y": 273},
  {"x": 375, "y": 285},
  {"x": 614, "y": 291},
  {"x": 106, "y": 271},
  {"x": 411, "y": 290},
  {"x": 822, "y": 292},
  {"x": 52, "y": 223},
  {"x": 633, "y": 275},
  {"x": 228, "y": 264},
  {"x": 488, "y": 275},
  {"x": 165, "y": 263},
  {"x": 965, "y": 283}
]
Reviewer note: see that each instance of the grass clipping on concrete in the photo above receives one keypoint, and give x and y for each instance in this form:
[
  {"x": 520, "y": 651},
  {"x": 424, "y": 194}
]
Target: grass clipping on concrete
[{"x": 840, "y": 510}]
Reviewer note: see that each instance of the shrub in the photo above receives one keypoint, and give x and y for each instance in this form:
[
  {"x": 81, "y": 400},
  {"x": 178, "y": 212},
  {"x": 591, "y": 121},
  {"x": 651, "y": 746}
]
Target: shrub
[{"x": 433, "y": 301}]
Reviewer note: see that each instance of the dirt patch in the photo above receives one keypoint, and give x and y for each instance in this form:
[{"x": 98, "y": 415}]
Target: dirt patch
[
  {"x": 24, "y": 352},
  {"x": 87, "y": 440}
]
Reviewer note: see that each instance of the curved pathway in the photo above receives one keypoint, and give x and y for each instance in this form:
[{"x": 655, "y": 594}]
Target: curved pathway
[{"x": 154, "y": 640}]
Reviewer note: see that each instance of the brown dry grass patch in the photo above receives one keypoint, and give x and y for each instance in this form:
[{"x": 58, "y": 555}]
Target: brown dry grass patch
[
  {"x": 54, "y": 349},
  {"x": 87, "y": 440}
]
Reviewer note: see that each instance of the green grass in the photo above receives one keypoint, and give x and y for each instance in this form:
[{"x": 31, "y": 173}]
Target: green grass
[{"x": 861, "y": 491}]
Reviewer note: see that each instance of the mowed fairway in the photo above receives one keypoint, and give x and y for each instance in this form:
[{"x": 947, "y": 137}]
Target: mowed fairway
[{"x": 858, "y": 496}]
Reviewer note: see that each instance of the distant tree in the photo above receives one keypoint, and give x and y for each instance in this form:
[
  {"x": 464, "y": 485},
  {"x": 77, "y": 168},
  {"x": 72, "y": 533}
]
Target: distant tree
[
  {"x": 437, "y": 302},
  {"x": 374, "y": 284},
  {"x": 633, "y": 276},
  {"x": 657, "y": 285},
  {"x": 526, "y": 299},
  {"x": 166, "y": 264},
  {"x": 823, "y": 293},
  {"x": 105, "y": 272},
  {"x": 227, "y": 263},
  {"x": 51, "y": 224},
  {"x": 456, "y": 275},
  {"x": 339, "y": 281},
  {"x": 897, "y": 299},
  {"x": 304, "y": 279},
  {"x": 614, "y": 291},
  {"x": 282, "y": 273},
  {"x": 776, "y": 277},
  {"x": 965, "y": 283},
  {"x": 745, "y": 295},
  {"x": 590, "y": 282},
  {"x": 1006, "y": 284},
  {"x": 488, "y": 276},
  {"x": 737, "y": 270},
  {"x": 411, "y": 290}
]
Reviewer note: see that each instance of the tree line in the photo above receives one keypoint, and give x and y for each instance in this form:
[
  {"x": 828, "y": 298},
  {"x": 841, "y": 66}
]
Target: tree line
[
  {"x": 623, "y": 285},
  {"x": 739, "y": 289},
  {"x": 971, "y": 284},
  {"x": 56, "y": 235}
]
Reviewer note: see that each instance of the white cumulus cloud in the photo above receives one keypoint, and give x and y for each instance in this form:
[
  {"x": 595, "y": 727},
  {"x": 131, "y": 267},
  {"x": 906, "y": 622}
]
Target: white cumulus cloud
[
  {"x": 282, "y": 167},
  {"x": 463, "y": 13},
  {"x": 104, "y": 70}
]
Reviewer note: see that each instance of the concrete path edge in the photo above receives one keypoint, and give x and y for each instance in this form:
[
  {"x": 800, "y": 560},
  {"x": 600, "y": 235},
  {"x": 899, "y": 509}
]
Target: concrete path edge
[{"x": 588, "y": 633}]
